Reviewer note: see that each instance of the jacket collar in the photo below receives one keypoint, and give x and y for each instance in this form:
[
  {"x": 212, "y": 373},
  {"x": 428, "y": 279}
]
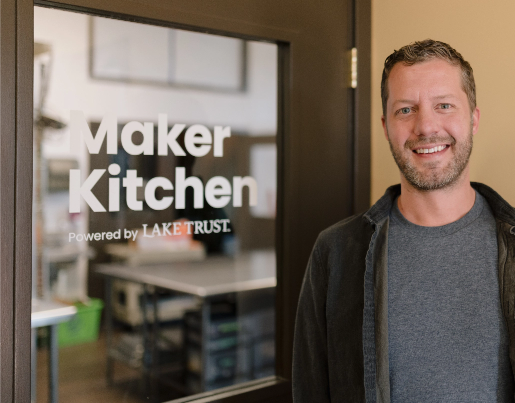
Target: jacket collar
[
  {"x": 381, "y": 210},
  {"x": 500, "y": 207}
]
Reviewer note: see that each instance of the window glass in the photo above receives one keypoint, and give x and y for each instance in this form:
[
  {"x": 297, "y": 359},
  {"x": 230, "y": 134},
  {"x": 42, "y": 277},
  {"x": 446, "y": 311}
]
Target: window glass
[{"x": 154, "y": 209}]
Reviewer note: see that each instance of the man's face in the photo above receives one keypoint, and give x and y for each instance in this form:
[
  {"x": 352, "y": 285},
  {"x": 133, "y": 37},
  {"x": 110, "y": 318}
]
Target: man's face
[{"x": 429, "y": 124}]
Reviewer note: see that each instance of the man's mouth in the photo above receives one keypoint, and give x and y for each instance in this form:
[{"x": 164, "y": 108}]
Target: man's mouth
[{"x": 431, "y": 150}]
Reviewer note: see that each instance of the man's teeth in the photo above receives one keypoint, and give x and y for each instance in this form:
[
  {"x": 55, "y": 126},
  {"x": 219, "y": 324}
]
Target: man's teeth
[{"x": 429, "y": 150}]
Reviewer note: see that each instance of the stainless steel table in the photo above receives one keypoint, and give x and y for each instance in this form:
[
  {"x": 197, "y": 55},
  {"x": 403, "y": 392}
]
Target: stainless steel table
[
  {"x": 211, "y": 277},
  {"x": 48, "y": 313}
]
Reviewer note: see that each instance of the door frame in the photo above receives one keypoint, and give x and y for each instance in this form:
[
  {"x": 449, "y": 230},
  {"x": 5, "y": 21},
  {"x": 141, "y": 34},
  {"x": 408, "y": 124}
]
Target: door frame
[{"x": 323, "y": 148}]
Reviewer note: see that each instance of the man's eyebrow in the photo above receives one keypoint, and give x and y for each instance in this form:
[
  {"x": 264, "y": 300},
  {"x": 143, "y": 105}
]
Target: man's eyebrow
[
  {"x": 403, "y": 101},
  {"x": 444, "y": 96},
  {"x": 410, "y": 101}
]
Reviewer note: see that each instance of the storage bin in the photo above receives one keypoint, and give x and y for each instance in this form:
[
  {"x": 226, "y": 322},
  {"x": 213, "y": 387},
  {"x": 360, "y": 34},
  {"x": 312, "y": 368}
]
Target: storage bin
[{"x": 84, "y": 326}]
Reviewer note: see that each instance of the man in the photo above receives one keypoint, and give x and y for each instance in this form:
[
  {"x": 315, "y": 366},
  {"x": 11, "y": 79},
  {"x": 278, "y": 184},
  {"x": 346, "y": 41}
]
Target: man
[{"x": 414, "y": 300}]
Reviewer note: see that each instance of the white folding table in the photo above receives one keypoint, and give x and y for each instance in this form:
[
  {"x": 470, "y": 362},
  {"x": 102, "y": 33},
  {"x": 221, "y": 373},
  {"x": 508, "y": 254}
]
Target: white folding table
[{"x": 48, "y": 313}]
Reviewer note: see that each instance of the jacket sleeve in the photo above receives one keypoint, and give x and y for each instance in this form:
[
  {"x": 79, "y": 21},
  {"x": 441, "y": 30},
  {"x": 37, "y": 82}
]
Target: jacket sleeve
[{"x": 310, "y": 364}]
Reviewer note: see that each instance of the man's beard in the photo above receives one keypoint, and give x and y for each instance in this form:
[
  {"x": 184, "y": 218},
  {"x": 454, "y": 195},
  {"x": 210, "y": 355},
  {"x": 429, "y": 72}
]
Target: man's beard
[{"x": 434, "y": 176}]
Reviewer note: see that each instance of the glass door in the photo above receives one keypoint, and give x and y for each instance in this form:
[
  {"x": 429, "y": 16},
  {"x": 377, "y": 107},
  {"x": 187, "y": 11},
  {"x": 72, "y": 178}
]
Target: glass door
[
  {"x": 155, "y": 187},
  {"x": 166, "y": 168}
]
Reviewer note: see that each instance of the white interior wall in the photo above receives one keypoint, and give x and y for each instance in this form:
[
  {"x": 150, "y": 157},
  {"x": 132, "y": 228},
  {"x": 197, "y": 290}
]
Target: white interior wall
[{"x": 253, "y": 111}]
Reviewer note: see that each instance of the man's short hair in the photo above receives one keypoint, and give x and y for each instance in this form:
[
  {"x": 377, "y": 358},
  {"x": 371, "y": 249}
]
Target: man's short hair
[{"x": 421, "y": 51}]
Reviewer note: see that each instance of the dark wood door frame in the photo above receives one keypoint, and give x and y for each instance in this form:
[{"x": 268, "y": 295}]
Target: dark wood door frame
[{"x": 323, "y": 147}]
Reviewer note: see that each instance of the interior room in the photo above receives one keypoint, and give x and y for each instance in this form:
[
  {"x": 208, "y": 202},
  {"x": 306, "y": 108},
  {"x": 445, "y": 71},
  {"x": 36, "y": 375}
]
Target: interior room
[{"x": 168, "y": 259}]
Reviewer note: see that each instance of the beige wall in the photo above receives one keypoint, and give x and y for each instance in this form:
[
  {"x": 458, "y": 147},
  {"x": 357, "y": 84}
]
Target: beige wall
[{"x": 484, "y": 33}]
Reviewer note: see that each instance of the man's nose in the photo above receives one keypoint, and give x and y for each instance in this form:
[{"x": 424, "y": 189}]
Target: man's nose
[{"x": 426, "y": 122}]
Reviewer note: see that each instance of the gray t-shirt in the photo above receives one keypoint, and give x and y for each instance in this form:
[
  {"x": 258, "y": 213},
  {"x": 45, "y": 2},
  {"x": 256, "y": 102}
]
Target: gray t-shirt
[{"x": 448, "y": 341}]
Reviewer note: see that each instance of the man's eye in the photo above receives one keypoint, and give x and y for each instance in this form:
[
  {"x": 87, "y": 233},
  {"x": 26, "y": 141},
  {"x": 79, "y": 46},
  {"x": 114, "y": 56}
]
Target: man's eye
[
  {"x": 445, "y": 106},
  {"x": 404, "y": 111}
]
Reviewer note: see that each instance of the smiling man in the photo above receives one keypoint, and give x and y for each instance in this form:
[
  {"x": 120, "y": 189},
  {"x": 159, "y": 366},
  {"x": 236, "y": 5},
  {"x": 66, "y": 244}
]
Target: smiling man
[{"x": 413, "y": 301}]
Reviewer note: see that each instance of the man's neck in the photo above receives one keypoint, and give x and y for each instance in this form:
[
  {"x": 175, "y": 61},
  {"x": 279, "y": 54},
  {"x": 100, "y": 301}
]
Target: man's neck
[{"x": 437, "y": 207}]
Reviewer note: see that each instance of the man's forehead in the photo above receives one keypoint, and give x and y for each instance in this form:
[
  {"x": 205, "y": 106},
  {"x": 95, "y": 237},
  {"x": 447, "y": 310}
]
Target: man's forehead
[
  {"x": 438, "y": 77},
  {"x": 431, "y": 67}
]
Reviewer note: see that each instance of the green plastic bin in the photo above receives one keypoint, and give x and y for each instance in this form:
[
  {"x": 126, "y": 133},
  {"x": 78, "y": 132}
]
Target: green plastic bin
[{"x": 84, "y": 326}]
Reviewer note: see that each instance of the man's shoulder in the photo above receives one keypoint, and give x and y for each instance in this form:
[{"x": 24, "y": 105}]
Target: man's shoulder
[
  {"x": 501, "y": 209},
  {"x": 351, "y": 230},
  {"x": 343, "y": 226},
  {"x": 341, "y": 249}
]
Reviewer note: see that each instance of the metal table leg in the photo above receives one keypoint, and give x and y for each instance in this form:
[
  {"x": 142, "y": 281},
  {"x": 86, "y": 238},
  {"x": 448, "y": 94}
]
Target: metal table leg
[
  {"x": 147, "y": 357},
  {"x": 33, "y": 364},
  {"x": 154, "y": 365},
  {"x": 109, "y": 330},
  {"x": 53, "y": 365}
]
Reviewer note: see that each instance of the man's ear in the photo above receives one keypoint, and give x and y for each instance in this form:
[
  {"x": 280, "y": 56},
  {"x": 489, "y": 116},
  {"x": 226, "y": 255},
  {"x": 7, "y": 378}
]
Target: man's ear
[
  {"x": 475, "y": 120},
  {"x": 383, "y": 122}
]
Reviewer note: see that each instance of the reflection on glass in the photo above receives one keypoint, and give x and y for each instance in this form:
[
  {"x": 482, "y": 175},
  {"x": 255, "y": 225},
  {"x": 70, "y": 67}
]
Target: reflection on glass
[{"x": 154, "y": 207}]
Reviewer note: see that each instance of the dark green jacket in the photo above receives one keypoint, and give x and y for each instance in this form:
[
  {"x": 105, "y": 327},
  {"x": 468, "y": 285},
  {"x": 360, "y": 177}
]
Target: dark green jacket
[{"x": 340, "y": 350}]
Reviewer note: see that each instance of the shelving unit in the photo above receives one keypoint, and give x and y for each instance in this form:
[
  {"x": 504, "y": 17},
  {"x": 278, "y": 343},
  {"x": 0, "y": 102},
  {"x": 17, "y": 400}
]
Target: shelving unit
[
  {"x": 227, "y": 351},
  {"x": 227, "y": 337}
]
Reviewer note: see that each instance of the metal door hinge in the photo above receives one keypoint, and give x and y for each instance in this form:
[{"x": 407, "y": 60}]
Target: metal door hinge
[{"x": 354, "y": 68}]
